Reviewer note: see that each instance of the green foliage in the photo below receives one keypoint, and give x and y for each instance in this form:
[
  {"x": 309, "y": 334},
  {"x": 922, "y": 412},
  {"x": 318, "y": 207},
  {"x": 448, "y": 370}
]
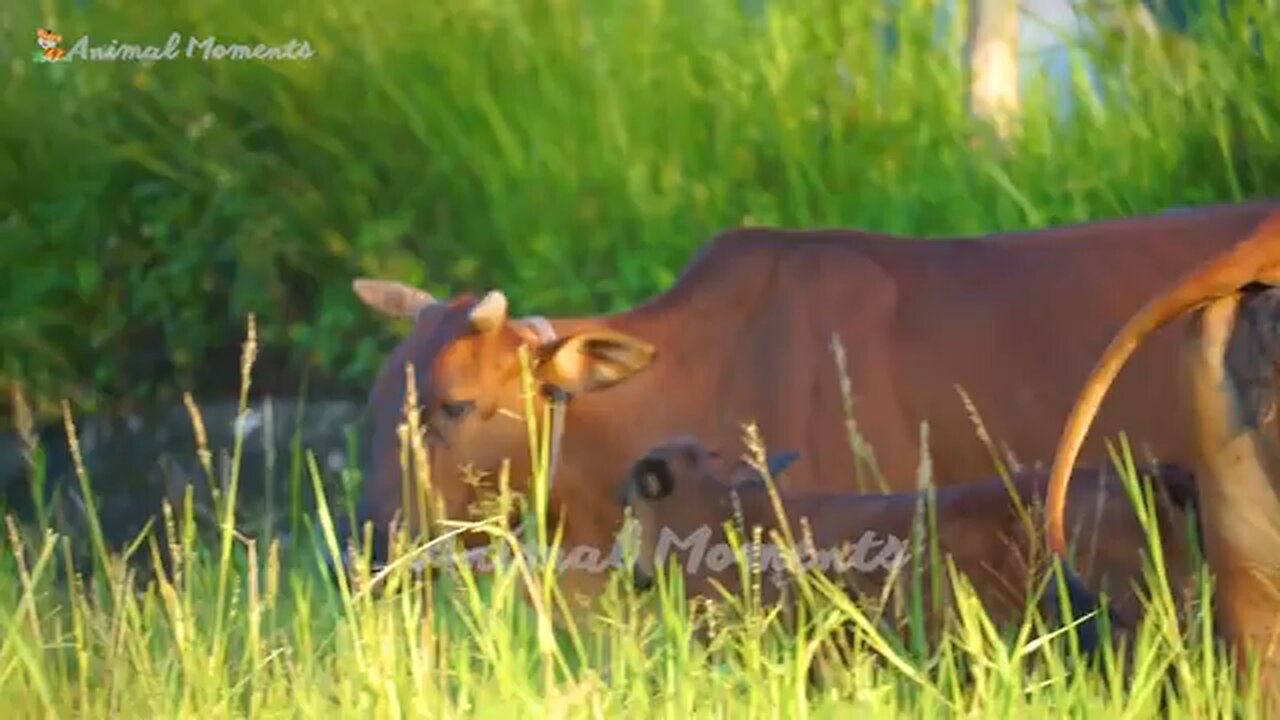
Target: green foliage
[{"x": 573, "y": 152}]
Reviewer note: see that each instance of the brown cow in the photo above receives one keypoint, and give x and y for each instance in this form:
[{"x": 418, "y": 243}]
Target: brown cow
[
  {"x": 1233, "y": 364},
  {"x": 1014, "y": 318},
  {"x": 1229, "y": 386},
  {"x": 682, "y": 496}
]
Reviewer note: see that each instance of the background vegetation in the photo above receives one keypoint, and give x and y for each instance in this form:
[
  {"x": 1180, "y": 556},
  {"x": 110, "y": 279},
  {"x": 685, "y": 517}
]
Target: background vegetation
[{"x": 574, "y": 153}]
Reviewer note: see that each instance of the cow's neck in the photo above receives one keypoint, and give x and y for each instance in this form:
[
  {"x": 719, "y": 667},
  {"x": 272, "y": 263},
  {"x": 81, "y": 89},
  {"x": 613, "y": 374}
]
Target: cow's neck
[
  {"x": 546, "y": 333},
  {"x": 689, "y": 326},
  {"x": 604, "y": 431}
]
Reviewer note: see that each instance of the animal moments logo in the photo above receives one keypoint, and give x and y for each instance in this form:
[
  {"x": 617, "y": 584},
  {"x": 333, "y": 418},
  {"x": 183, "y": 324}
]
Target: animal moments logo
[
  {"x": 175, "y": 47},
  {"x": 48, "y": 41}
]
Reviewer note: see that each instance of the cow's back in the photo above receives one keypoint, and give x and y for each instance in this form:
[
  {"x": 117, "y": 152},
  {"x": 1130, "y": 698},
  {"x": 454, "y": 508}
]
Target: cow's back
[
  {"x": 1016, "y": 320},
  {"x": 1019, "y": 322}
]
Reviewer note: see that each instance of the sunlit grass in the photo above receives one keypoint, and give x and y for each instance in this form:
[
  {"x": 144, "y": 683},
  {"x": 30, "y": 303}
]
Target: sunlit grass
[{"x": 244, "y": 628}]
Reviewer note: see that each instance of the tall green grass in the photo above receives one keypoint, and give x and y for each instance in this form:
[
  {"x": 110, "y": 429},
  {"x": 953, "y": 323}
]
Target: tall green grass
[
  {"x": 571, "y": 152},
  {"x": 251, "y": 626}
]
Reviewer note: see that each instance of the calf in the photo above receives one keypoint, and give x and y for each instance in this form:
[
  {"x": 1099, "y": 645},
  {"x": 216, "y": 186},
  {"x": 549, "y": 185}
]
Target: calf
[{"x": 681, "y": 495}]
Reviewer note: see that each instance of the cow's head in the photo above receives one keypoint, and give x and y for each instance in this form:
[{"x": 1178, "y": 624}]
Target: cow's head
[
  {"x": 466, "y": 363},
  {"x": 681, "y": 491}
]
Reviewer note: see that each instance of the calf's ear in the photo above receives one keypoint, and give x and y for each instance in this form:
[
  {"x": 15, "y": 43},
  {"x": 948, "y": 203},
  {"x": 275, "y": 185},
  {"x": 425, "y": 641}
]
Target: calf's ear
[
  {"x": 592, "y": 360},
  {"x": 652, "y": 478},
  {"x": 745, "y": 473},
  {"x": 779, "y": 462}
]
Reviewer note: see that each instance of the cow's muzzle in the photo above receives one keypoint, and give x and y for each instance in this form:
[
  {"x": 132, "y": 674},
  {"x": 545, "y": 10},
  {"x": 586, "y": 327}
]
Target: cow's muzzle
[{"x": 640, "y": 580}]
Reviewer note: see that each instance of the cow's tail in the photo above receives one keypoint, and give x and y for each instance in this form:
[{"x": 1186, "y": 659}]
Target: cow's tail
[{"x": 1254, "y": 259}]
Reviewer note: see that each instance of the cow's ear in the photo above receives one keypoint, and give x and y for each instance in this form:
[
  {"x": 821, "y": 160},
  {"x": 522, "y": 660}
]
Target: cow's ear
[
  {"x": 652, "y": 478},
  {"x": 392, "y": 298},
  {"x": 592, "y": 360}
]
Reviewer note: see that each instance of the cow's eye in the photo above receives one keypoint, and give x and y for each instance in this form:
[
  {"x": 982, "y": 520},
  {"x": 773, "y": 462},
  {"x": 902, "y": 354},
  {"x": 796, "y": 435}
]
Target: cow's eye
[{"x": 457, "y": 409}]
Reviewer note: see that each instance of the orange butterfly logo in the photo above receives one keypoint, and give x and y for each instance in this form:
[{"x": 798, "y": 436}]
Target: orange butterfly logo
[{"x": 48, "y": 41}]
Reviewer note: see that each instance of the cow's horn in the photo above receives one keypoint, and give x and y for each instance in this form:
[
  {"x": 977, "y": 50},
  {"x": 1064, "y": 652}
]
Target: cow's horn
[{"x": 490, "y": 312}]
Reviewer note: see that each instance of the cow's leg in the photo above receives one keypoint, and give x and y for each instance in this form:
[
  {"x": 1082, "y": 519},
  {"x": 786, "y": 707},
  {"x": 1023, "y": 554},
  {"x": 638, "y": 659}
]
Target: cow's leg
[{"x": 1229, "y": 369}]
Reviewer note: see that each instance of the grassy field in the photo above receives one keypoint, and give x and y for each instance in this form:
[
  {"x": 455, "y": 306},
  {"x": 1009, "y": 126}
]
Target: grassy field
[
  {"x": 573, "y": 153},
  {"x": 175, "y": 626}
]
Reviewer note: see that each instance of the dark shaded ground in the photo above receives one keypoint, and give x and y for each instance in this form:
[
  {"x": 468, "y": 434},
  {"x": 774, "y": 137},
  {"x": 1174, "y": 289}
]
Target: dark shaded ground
[{"x": 135, "y": 461}]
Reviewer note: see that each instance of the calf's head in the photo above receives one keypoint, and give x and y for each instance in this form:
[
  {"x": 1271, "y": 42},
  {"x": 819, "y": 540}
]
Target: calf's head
[
  {"x": 680, "y": 494},
  {"x": 466, "y": 371}
]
